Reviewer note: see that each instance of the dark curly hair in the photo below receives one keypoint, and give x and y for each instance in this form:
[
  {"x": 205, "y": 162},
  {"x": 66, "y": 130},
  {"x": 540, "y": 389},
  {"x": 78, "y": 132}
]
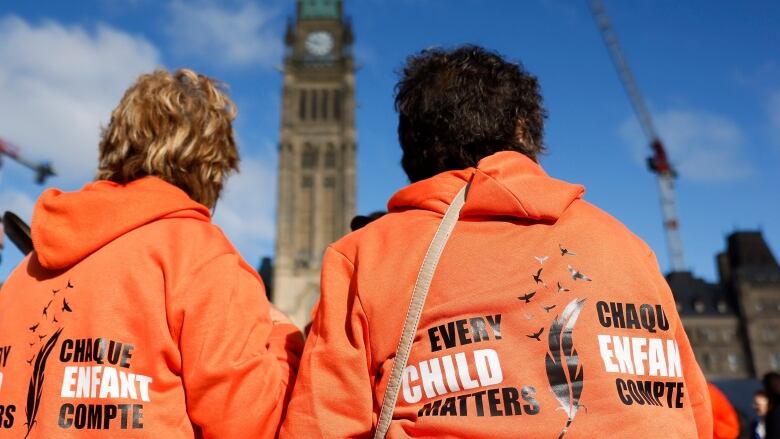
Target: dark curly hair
[{"x": 458, "y": 106}]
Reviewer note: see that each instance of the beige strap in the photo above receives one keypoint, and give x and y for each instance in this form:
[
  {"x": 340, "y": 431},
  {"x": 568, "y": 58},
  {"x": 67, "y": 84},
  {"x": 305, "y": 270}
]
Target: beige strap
[{"x": 419, "y": 294}]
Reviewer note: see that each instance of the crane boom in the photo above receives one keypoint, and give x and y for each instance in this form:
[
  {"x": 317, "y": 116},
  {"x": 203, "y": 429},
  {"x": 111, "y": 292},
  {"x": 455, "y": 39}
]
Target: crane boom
[
  {"x": 42, "y": 170},
  {"x": 659, "y": 162}
]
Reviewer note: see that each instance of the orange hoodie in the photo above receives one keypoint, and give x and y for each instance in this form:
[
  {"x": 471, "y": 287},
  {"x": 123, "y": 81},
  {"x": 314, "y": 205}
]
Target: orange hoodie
[
  {"x": 135, "y": 317},
  {"x": 546, "y": 318}
]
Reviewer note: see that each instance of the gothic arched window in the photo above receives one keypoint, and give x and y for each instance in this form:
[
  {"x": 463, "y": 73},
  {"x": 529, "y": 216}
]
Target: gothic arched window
[
  {"x": 314, "y": 104},
  {"x": 337, "y": 104},
  {"x": 325, "y": 104},
  {"x": 302, "y": 105},
  {"x": 309, "y": 157},
  {"x": 330, "y": 156}
]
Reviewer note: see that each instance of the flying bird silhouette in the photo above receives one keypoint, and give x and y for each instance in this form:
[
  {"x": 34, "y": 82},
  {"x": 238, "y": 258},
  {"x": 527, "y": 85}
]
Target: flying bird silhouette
[
  {"x": 54, "y": 292},
  {"x": 578, "y": 275},
  {"x": 55, "y": 320},
  {"x": 34, "y": 327},
  {"x": 46, "y": 309},
  {"x": 562, "y": 289},
  {"x": 565, "y": 251},
  {"x": 30, "y": 360},
  {"x": 65, "y": 307},
  {"x": 537, "y": 335},
  {"x": 70, "y": 285},
  {"x": 31, "y": 344},
  {"x": 41, "y": 337},
  {"x": 541, "y": 259},
  {"x": 538, "y": 278},
  {"x": 548, "y": 308},
  {"x": 527, "y": 297}
]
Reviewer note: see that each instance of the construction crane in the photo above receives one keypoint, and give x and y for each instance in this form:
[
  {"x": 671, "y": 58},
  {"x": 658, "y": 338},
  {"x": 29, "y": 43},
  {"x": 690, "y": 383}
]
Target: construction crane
[
  {"x": 42, "y": 170},
  {"x": 659, "y": 162}
]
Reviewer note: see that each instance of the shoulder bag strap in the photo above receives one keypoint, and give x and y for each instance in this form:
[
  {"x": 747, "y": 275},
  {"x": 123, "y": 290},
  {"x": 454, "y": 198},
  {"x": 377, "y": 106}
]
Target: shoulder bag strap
[{"x": 419, "y": 294}]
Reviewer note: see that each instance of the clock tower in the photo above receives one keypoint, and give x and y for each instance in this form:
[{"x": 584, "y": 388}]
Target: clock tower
[{"x": 317, "y": 148}]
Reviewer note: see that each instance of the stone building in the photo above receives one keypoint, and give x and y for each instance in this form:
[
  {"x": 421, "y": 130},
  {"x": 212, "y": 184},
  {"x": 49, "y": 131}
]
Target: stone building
[
  {"x": 317, "y": 146},
  {"x": 734, "y": 325}
]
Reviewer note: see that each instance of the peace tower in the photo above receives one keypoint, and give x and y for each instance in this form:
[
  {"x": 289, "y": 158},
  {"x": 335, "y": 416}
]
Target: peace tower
[{"x": 317, "y": 148}]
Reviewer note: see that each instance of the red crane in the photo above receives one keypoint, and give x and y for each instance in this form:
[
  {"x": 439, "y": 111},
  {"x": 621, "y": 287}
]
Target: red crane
[
  {"x": 659, "y": 162},
  {"x": 42, "y": 170}
]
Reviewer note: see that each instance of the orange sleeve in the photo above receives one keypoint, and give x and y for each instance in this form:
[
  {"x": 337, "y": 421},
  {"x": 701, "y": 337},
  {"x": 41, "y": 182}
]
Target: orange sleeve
[
  {"x": 237, "y": 366},
  {"x": 695, "y": 384},
  {"x": 333, "y": 395},
  {"x": 725, "y": 419}
]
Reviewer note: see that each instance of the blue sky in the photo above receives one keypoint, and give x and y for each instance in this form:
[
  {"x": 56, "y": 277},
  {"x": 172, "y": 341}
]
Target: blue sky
[{"x": 710, "y": 71}]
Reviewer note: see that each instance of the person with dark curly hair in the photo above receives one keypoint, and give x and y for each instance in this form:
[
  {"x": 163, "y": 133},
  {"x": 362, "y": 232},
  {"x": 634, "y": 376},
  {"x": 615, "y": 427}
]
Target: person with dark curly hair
[
  {"x": 544, "y": 316},
  {"x": 456, "y": 108}
]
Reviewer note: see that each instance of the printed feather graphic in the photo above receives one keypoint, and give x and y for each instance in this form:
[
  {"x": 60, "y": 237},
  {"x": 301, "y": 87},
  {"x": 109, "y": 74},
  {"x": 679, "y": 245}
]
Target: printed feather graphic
[
  {"x": 564, "y": 370},
  {"x": 36, "y": 381}
]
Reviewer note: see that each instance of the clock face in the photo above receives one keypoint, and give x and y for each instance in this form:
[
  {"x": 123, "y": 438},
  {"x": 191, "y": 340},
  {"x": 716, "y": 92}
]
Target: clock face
[{"x": 319, "y": 43}]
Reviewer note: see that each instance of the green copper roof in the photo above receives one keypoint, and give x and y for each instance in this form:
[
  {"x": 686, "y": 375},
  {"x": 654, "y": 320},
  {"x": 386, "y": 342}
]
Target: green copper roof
[{"x": 318, "y": 8}]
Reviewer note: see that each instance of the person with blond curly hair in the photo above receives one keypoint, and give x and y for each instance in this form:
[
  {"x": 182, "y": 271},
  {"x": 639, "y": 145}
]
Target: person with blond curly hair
[{"x": 134, "y": 316}]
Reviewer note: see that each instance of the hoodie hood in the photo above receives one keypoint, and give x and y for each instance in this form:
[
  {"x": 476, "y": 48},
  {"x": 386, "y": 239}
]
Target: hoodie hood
[
  {"x": 506, "y": 184},
  {"x": 69, "y": 226}
]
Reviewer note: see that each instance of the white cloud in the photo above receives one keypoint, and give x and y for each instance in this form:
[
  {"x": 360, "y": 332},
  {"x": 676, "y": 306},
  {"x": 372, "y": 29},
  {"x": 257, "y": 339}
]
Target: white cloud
[
  {"x": 702, "y": 146},
  {"x": 241, "y": 36},
  {"x": 17, "y": 202},
  {"x": 58, "y": 84},
  {"x": 245, "y": 210}
]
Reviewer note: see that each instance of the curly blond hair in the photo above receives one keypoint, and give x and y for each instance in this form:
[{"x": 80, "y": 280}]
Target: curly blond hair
[{"x": 177, "y": 127}]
